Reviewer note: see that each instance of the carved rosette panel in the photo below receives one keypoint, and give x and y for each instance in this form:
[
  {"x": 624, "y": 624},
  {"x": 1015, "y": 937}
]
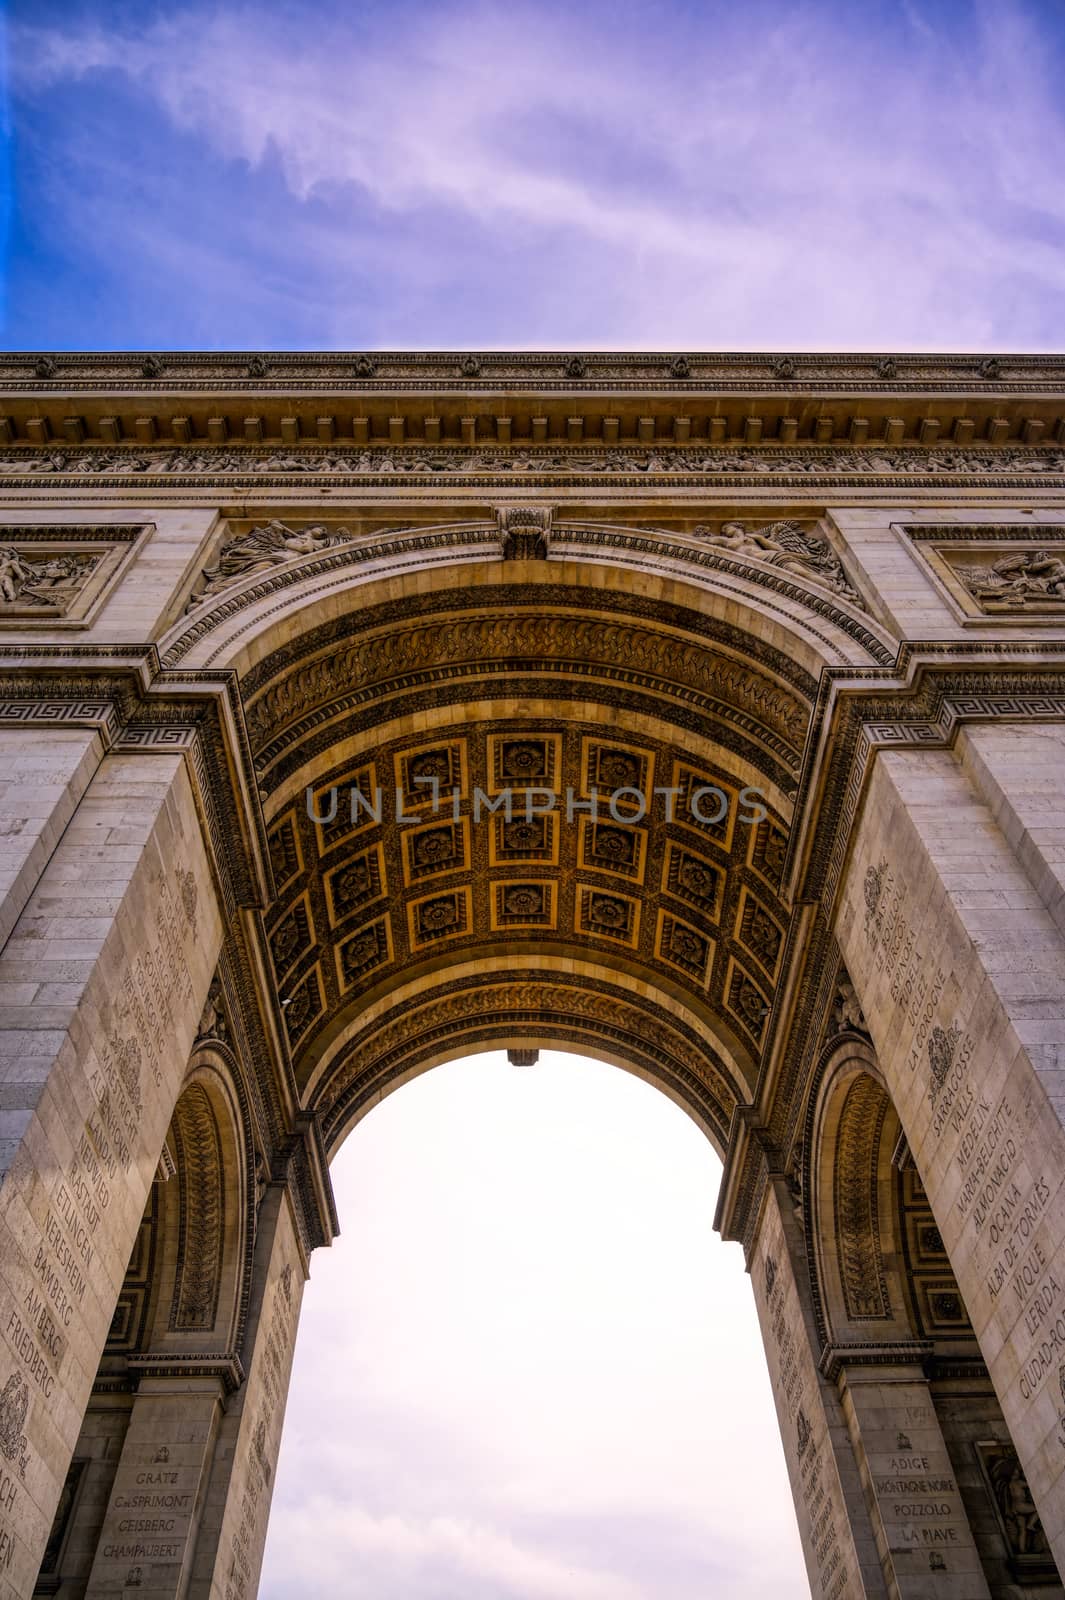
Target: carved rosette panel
[{"x": 680, "y": 891}]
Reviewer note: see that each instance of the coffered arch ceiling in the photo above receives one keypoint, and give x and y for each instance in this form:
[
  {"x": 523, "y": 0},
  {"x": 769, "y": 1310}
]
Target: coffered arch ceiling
[{"x": 654, "y": 940}]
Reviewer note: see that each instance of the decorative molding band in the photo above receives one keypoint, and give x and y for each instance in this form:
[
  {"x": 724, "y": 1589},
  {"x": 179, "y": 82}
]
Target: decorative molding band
[
  {"x": 569, "y": 370},
  {"x": 224, "y": 1365},
  {"x": 837, "y": 1359},
  {"x": 537, "y": 468},
  {"x": 122, "y": 691},
  {"x": 939, "y": 687}
]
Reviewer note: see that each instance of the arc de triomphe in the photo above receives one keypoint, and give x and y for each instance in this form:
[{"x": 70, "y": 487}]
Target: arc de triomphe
[{"x": 705, "y": 714}]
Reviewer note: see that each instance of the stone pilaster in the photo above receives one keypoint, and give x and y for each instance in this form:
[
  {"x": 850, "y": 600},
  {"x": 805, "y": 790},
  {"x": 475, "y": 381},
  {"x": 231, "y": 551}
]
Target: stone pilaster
[
  {"x": 233, "y": 1529},
  {"x": 922, "y": 1532},
  {"x": 101, "y": 986},
  {"x": 149, "y": 1532},
  {"x": 837, "y": 1537},
  {"x": 958, "y": 965}
]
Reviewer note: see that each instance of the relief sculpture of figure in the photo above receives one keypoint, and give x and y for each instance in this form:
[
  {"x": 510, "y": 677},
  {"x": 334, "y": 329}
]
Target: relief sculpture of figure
[
  {"x": 49, "y": 582},
  {"x": 784, "y": 545},
  {"x": 1013, "y": 579},
  {"x": 1022, "y": 1522},
  {"x": 262, "y": 548},
  {"x": 14, "y": 573}
]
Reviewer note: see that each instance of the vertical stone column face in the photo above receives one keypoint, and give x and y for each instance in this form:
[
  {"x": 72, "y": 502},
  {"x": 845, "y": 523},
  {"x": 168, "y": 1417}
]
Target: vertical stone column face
[
  {"x": 837, "y": 1540},
  {"x": 960, "y": 969},
  {"x": 921, "y": 1527},
  {"x": 149, "y": 1531},
  {"x": 233, "y": 1529},
  {"x": 1019, "y": 772},
  {"x": 101, "y": 986},
  {"x": 43, "y": 775}
]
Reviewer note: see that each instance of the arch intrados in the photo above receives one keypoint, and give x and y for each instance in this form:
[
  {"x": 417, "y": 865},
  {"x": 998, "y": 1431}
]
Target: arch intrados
[
  {"x": 582, "y": 997},
  {"x": 549, "y": 1039},
  {"x": 247, "y": 639},
  {"x": 497, "y": 711}
]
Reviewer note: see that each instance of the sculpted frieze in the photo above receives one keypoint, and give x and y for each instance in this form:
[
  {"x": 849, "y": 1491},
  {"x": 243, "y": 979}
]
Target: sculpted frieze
[
  {"x": 272, "y": 545},
  {"x": 1024, "y": 580},
  {"x": 785, "y": 545},
  {"x": 536, "y": 638},
  {"x": 45, "y": 587},
  {"x": 546, "y": 998},
  {"x": 56, "y": 575},
  {"x": 516, "y": 463}
]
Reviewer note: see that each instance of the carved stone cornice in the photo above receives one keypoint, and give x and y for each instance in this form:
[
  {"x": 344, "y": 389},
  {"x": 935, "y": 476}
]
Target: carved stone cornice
[
  {"x": 303, "y": 1165},
  {"x": 136, "y": 705},
  {"x": 223, "y": 1366},
  {"x": 520, "y": 467},
  {"x": 938, "y": 686},
  {"x": 838, "y": 1359},
  {"x": 569, "y": 371}
]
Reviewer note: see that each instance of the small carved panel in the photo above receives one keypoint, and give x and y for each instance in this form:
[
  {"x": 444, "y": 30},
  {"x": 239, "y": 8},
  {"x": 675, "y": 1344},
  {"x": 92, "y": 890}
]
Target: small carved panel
[
  {"x": 432, "y": 775},
  {"x": 856, "y": 1201},
  {"x": 364, "y": 952},
  {"x": 304, "y": 1006},
  {"x": 694, "y": 880},
  {"x": 357, "y": 883},
  {"x": 930, "y": 1241},
  {"x": 608, "y": 916},
  {"x": 521, "y": 761},
  {"x": 683, "y": 946},
  {"x": 613, "y": 847},
  {"x": 442, "y": 846},
  {"x": 942, "y": 1307},
  {"x": 768, "y": 852},
  {"x": 293, "y": 936},
  {"x": 1027, "y": 1547},
  {"x": 748, "y": 1003},
  {"x": 523, "y": 838},
  {"x": 759, "y": 933},
  {"x": 786, "y": 545},
  {"x": 521, "y": 904},
  {"x": 285, "y": 857},
  {"x": 347, "y": 806},
  {"x": 201, "y": 1233},
  {"x": 705, "y": 803},
  {"x": 262, "y": 549},
  {"x": 439, "y": 916},
  {"x": 606, "y": 768},
  {"x": 1002, "y": 573},
  {"x": 57, "y": 576}
]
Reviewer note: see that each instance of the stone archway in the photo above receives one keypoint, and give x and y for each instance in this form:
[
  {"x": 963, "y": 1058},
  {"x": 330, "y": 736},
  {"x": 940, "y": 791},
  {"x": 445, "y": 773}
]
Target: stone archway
[{"x": 548, "y": 582}]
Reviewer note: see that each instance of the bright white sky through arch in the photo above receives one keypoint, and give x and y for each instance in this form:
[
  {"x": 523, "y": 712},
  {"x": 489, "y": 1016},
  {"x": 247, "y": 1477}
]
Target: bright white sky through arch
[{"x": 529, "y": 1369}]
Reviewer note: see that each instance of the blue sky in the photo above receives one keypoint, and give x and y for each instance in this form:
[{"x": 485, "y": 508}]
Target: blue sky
[{"x": 701, "y": 175}]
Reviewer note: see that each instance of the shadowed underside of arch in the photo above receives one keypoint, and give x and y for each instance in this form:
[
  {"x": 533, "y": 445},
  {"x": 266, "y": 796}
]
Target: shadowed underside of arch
[{"x": 540, "y": 806}]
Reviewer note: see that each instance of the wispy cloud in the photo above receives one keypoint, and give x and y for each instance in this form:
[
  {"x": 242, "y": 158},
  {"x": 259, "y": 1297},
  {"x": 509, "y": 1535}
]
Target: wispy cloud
[{"x": 780, "y": 175}]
